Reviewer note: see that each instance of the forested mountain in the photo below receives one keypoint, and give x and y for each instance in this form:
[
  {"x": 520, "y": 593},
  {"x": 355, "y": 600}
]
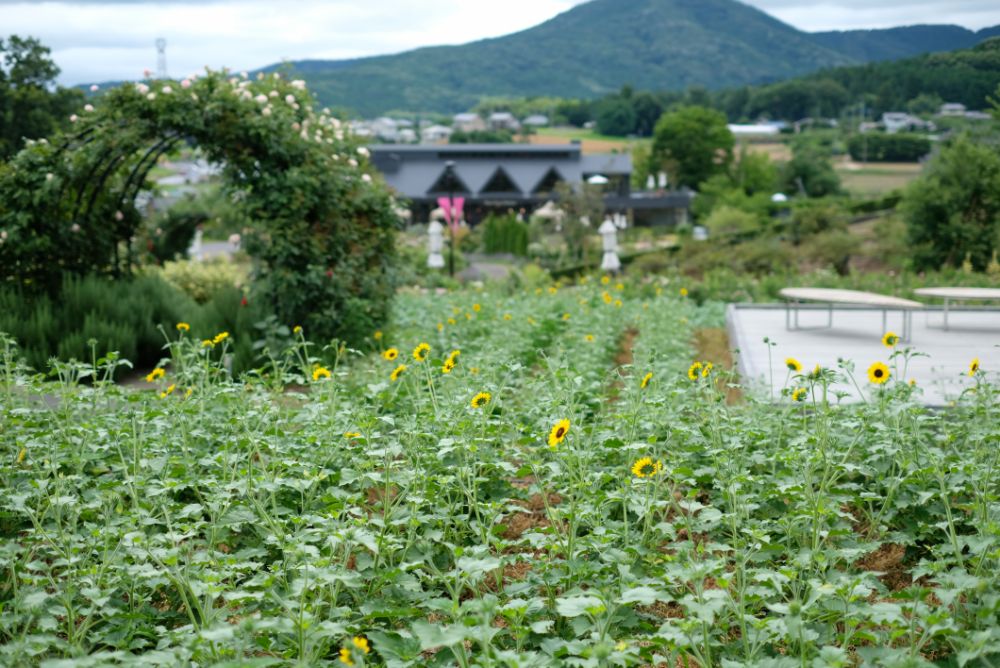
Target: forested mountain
[
  {"x": 904, "y": 42},
  {"x": 596, "y": 47}
]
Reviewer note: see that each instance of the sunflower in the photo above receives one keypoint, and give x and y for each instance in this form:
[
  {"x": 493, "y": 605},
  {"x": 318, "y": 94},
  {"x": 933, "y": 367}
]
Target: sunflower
[
  {"x": 451, "y": 321},
  {"x": 707, "y": 369},
  {"x": 508, "y": 316},
  {"x": 167, "y": 392},
  {"x": 694, "y": 370},
  {"x": 646, "y": 467},
  {"x": 618, "y": 303},
  {"x": 890, "y": 339},
  {"x": 154, "y": 374},
  {"x": 878, "y": 373},
  {"x": 606, "y": 296},
  {"x": 683, "y": 292},
  {"x": 345, "y": 656},
  {"x": 799, "y": 394},
  {"x": 477, "y": 308},
  {"x": 352, "y": 434},
  {"x": 397, "y": 372},
  {"x": 453, "y": 355},
  {"x": 448, "y": 366},
  {"x": 553, "y": 290},
  {"x": 390, "y": 354},
  {"x": 589, "y": 338},
  {"x": 793, "y": 364},
  {"x": 645, "y": 380},
  {"x": 361, "y": 644},
  {"x": 974, "y": 367},
  {"x": 420, "y": 352},
  {"x": 297, "y": 329},
  {"x": 183, "y": 327},
  {"x": 220, "y": 337},
  {"x": 605, "y": 280},
  {"x": 558, "y": 433},
  {"x": 566, "y": 316},
  {"x": 619, "y": 286},
  {"x": 320, "y": 372},
  {"x": 377, "y": 335},
  {"x": 440, "y": 326},
  {"x": 480, "y": 399}
]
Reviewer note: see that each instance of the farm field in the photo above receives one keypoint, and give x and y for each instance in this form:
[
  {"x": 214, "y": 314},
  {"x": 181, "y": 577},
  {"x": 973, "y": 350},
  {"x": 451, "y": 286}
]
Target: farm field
[
  {"x": 876, "y": 178},
  {"x": 590, "y": 140},
  {"x": 548, "y": 478}
]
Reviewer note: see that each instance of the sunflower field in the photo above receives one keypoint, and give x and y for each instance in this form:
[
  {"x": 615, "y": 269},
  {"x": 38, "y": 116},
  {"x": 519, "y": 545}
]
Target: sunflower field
[{"x": 551, "y": 478}]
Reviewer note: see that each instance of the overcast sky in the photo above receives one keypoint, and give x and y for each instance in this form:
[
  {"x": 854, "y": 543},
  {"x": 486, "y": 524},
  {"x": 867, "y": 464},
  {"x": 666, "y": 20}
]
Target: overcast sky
[{"x": 95, "y": 40}]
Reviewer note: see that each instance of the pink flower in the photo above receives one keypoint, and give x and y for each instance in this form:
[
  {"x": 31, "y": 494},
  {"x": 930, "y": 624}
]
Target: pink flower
[
  {"x": 88, "y": 107},
  {"x": 299, "y": 84},
  {"x": 119, "y": 215},
  {"x": 186, "y": 83},
  {"x": 366, "y": 178},
  {"x": 167, "y": 90},
  {"x": 290, "y": 99},
  {"x": 142, "y": 88},
  {"x": 94, "y": 88},
  {"x": 261, "y": 99},
  {"x": 266, "y": 111},
  {"x": 147, "y": 73},
  {"x": 296, "y": 127},
  {"x": 73, "y": 118}
]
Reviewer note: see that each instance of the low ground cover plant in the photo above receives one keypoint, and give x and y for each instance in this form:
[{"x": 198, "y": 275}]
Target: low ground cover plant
[{"x": 546, "y": 478}]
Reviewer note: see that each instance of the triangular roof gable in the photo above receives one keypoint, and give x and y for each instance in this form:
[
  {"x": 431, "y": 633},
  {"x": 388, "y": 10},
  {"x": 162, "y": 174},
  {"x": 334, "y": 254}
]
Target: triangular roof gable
[
  {"x": 441, "y": 185},
  {"x": 500, "y": 182},
  {"x": 548, "y": 182}
]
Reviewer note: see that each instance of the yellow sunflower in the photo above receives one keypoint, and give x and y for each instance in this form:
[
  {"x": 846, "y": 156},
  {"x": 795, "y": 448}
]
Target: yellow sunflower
[
  {"x": 605, "y": 280},
  {"x": 448, "y": 366},
  {"x": 183, "y": 327},
  {"x": 480, "y": 399},
  {"x": 297, "y": 329},
  {"x": 420, "y": 352},
  {"x": 793, "y": 364},
  {"x": 477, "y": 308},
  {"x": 646, "y": 467},
  {"x": 683, "y": 292},
  {"x": 878, "y": 373},
  {"x": 390, "y": 354},
  {"x": 220, "y": 337},
  {"x": 397, "y": 372},
  {"x": 694, "y": 370},
  {"x": 440, "y": 326},
  {"x": 207, "y": 343},
  {"x": 566, "y": 316},
  {"x": 453, "y": 355},
  {"x": 320, "y": 372},
  {"x": 606, "y": 296},
  {"x": 345, "y": 656},
  {"x": 707, "y": 369},
  {"x": 352, "y": 434},
  {"x": 799, "y": 394},
  {"x": 508, "y": 316},
  {"x": 974, "y": 367},
  {"x": 154, "y": 374},
  {"x": 377, "y": 335},
  {"x": 167, "y": 392},
  {"x": 589, "y": 338},
  {"x": 361, "y": 644},
  {"x": 645, "y": 380},
  {"x": 890, "y": 339},
  {"x": 558, "y": 433}
]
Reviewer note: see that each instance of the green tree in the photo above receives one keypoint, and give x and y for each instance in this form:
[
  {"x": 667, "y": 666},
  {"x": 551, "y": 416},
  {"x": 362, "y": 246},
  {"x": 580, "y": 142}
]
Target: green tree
[
  {"x": 810, "y": 172},
  {"x": 31, "y": 106},
  {"x": 953, "y": 211},
  {"x": 692, "y": 144},
  {"x": 616, "y": 117}
]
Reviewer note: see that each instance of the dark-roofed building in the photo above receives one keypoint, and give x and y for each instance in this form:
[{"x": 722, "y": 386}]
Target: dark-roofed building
[{"x": 502, "y": 177}]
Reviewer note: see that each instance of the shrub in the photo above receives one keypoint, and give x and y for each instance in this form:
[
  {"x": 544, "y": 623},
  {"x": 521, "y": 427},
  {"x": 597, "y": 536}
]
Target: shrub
[
  {"x": 203, "y": 280},
  {"x": 727, "y": 220},
  {"x": 505, "y": 234},
  {"x": 880, "y": 147}
]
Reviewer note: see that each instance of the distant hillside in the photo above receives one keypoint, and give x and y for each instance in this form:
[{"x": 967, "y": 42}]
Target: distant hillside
[
  {"x": 587, "y": 51},
  {"x": 896, "y": 43},
  {"x": 596, "y": 47}
]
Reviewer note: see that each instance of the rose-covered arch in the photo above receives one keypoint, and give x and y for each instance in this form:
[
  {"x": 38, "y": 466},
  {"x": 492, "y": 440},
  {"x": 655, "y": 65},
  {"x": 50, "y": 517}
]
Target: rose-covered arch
[{"x": 322, "y": 230}]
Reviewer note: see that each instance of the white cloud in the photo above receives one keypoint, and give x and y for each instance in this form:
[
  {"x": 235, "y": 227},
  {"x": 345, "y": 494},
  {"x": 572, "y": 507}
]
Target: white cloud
[{"x": 95, "y": 40}]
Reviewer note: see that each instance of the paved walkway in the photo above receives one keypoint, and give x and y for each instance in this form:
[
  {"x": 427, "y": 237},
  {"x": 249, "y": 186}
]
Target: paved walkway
[{"x": 856, "y": 335}]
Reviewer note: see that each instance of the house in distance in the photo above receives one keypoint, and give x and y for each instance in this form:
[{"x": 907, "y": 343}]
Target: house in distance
[{"x": 497, "y": 178}]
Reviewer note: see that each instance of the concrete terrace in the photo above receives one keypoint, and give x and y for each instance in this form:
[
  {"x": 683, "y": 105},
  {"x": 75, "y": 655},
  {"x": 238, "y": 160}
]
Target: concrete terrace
[{"x": 856, "y": 335}]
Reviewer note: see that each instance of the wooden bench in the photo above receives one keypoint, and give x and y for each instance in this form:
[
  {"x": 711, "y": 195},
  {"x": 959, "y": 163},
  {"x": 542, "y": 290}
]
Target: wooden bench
[
  {"x": 794, "y": 297},
  {"x": 959, "y": 295}
]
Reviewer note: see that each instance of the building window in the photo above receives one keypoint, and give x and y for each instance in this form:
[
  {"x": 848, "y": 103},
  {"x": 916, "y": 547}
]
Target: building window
[
  {"x": 500, "y": 182},
  {"x": 548, "y": 183}
]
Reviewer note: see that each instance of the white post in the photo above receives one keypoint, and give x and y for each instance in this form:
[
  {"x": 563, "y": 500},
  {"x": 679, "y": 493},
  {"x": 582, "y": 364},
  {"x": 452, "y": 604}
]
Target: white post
[
  {"x": 194, "y": 250},
  {"x": 609, "y": 237},
  {"x": 435, "y": 244}
]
